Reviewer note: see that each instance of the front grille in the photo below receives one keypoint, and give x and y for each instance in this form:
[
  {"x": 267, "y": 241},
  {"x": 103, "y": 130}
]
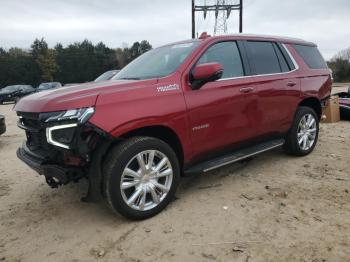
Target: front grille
[
  {"x": 37, "y": 140},
  {"x": 35, "y": 131},
  {"x": 26, "y": 115},
  {"x": 31, "y": 123}
]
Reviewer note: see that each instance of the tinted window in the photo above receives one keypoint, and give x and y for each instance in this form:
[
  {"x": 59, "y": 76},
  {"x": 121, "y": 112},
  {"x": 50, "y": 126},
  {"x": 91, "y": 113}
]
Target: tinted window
[
  {"x": 262, "y": 58},
  {"x": 283, "y": 63},
  {"x": 226, "y": 54},
  {"x": 311, "y": 56}
]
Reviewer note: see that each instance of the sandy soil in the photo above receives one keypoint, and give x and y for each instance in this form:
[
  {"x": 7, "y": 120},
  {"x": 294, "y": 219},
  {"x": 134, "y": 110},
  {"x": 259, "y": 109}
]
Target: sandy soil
[{"x": 272, "y": 208}]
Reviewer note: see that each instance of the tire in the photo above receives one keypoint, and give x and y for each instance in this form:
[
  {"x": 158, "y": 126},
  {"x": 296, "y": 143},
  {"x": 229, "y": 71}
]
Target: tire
[
  {"x": 344, "y": 113},
  {"x": 308, "y": 134},
  {"x": 122, "y": 167}
]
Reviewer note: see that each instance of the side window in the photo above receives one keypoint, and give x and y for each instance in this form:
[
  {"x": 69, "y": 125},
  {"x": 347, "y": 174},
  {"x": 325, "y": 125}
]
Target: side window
[
  {"x": 262, "y": 58},
  {"x": 227, "y": 54},
  {"x": 311, "y": 56},
  {"x": 286, "y": 55},
  {"x": 283, "y": 63}
]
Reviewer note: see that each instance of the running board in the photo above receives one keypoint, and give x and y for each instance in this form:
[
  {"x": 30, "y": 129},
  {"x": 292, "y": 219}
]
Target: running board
[{"x": 234, "y": 157}]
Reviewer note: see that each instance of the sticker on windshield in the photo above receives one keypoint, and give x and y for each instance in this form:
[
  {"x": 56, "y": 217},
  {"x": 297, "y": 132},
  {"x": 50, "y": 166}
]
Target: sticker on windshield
[
  {"x": 185, "y": 45},
  {"x": 168, "y": 88}
]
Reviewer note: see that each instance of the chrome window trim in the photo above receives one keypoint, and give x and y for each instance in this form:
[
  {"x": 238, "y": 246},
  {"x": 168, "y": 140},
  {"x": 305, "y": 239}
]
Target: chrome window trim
[
  {"x": 291, "y": 57},
  {"x": 296, "y": 67},
  {"x": 49, "y": 131}
]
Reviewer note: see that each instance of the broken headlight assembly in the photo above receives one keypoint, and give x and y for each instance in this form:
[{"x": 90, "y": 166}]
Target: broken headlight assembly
[
  {"x": 65, "y": 123},
  {"x": 81, "y": 115}
]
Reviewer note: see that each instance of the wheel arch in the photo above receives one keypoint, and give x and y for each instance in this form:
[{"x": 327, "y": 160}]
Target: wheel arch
[
  {"x": 161, "y": 132},
  {"x": 313, "y": 103}
]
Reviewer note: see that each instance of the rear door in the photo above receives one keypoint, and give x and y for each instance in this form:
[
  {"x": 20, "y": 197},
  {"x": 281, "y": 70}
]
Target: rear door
[{"x": 276, "y": 84}]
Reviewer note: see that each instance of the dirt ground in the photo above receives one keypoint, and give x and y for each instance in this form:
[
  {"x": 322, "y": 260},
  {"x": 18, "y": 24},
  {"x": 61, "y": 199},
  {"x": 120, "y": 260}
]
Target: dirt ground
[{"x": 272, "y": 208}]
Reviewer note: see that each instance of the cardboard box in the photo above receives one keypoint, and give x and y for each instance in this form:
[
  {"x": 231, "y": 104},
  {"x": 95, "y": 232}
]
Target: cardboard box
[{"x": 331, "y": 111}]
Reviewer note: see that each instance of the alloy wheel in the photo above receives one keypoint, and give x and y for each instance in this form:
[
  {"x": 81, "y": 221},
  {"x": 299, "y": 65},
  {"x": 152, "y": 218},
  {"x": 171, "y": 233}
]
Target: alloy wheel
[
  {"x": 146, "y": 180},
  {"x": 307, "y": 131}
]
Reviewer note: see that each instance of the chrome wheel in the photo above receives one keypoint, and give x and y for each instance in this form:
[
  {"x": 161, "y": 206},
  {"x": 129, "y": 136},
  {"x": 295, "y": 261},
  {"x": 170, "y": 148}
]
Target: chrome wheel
[
  {"x": 307, "y": 131},
  {"x": 146, "y": 180}
]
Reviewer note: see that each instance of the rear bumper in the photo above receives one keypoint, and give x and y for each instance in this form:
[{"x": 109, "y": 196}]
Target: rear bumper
[{"x": 55, "y": 174}]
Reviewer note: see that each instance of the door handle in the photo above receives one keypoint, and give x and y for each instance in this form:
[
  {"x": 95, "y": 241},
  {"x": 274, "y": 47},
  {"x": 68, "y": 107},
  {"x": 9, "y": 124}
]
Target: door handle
[
  {"x": 291, "y": 84},
  {"x": 246, "y": 89}
]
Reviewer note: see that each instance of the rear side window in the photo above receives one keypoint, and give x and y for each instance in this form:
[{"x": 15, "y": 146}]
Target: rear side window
[
  {"x": 283, "y": 63},
  {"x": 286, "y": 55},
  {"x": 311, "y": 56},
  {"x": 262, "y": 58},
  {"x": 226, "y": 54}
]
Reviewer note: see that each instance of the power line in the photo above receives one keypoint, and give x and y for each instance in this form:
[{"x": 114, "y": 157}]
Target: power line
[{"x": 222, "y": 10}]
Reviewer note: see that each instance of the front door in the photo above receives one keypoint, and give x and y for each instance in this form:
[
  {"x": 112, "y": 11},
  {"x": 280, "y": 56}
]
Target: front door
[{"x": 221, "y": 113}]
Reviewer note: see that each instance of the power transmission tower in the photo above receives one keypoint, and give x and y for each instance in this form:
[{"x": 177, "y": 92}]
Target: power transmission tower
[
  {"x": 222, "y": 10},
  {"x": 220, "y": 26}
]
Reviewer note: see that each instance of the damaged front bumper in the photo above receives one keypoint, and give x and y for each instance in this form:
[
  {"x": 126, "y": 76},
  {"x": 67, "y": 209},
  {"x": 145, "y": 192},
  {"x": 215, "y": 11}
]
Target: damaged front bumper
[
  {"x": 55, "y": 174},
  {"x": 59, "y": 150}
]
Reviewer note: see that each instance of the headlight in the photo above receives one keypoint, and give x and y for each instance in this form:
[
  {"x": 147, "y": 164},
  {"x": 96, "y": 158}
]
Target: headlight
[
  {"x": 61, "y": 134},
  {"x": 81, "y": 115}
]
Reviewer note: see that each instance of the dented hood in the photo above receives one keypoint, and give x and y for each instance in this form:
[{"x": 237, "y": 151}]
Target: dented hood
[{"x": 72, "y": 97}]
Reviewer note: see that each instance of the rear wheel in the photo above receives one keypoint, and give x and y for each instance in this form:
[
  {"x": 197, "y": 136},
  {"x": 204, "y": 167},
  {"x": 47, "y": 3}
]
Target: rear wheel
[
  {"x": 140, "y": 177},
  {"x": 303, "y": 135}
]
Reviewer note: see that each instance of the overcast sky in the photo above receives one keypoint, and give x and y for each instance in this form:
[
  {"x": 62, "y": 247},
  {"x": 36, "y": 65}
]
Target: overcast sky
[{"x": 120, "y": 22}]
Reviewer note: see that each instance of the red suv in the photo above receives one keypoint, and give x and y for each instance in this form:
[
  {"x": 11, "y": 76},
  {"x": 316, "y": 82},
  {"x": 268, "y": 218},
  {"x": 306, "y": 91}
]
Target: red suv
[{"x": 183, "y": 108}]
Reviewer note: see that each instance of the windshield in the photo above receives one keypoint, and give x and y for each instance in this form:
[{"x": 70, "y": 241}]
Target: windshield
[
  {"x": 158, "y": 62},
  {"x": 9, "y": 89},
  {"x": 106, "y": 76},
  {"x": 44, "y": 86}
]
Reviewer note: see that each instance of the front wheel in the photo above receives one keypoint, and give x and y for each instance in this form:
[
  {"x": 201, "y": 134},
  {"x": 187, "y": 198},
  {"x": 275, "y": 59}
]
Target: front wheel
[
  {"x": 302, "y": 137},
  {"x": 140, "y": 177}
]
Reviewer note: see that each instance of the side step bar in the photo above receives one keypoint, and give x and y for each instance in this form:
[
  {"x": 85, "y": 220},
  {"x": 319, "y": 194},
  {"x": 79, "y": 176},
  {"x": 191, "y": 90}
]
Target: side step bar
[{"x": 234, "y": 157}]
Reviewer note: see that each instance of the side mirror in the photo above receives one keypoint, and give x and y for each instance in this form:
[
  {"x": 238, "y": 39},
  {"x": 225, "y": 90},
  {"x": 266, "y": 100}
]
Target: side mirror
[{"x": 205, "y": 73}]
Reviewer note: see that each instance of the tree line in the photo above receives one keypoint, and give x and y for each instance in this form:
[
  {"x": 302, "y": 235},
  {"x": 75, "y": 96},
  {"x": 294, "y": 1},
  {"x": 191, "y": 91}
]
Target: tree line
[
  {"x": 82, "y": 61},
  {"x": 340, "y": 65},
  {"x": 76, "y": 63}
]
